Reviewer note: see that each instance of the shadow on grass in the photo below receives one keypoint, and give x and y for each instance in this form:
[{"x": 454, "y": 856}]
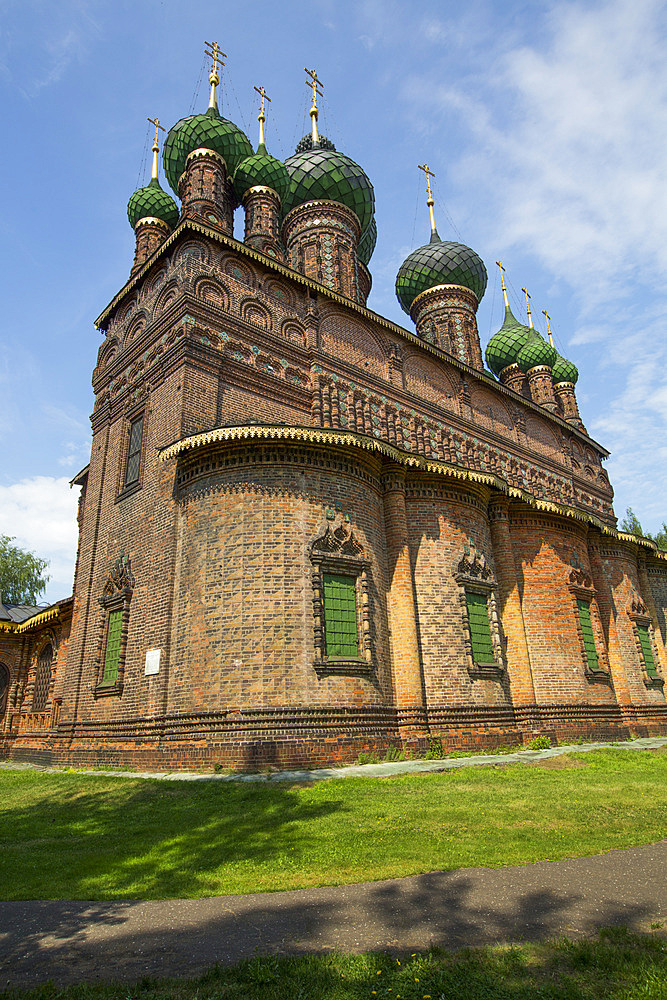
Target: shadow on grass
[
  {"x": 72, "y": 942},
  {"x": 97, "y": 838}
]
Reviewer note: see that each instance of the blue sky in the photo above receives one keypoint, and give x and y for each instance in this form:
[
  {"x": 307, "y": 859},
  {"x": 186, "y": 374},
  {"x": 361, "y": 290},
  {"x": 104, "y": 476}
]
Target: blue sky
[{"x": 545, "y": 124}]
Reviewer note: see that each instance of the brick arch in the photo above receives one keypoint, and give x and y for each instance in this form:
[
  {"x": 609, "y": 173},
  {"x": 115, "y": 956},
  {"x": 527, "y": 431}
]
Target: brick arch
[
  {"x": 293, "y": 331},
  {"x": 212, "y": 291},
  {"x": 107, "y": 352},
  {"x": 541, "y": 437},
  {"x": 151, "y": 287},
  {"x": 165, "y": 297},
  {"x": 359, "y": 345},
  {"x": 136, "y": 327},
  {"x": 279, "y": 291},
  {"x": 238, "y": 270},
  {"x": 192, "y": 251},
  {"x": 255, "y": 312},
  {"x": 428, "y": 381},
  {"x": 491, "y": 412},
  {"x": 127, "y": 310}
]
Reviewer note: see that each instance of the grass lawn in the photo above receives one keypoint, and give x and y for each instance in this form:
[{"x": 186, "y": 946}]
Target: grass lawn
[
  {"x": 87, "y": 836},
  {"x": 617, "y": 965}
]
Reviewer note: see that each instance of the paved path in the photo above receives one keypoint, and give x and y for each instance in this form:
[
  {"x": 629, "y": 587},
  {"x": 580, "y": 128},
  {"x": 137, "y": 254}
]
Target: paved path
[{"x": 79, "y": 941}]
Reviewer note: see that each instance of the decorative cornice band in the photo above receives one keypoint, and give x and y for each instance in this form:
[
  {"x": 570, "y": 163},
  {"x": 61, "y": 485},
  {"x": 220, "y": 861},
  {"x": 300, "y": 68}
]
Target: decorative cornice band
[{"x": 350, "y": 439}]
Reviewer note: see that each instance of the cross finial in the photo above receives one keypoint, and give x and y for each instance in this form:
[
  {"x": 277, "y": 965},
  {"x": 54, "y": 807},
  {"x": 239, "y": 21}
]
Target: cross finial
[
  {"x": 156, "y": 122},
  {"x": 216, "y": 55},
  {"x": 502, "y": 282},
  {"x": 261, "y": 117},
  {"x": 429, "y": 200},
  {"x": 548, "y": 317},
  {"x": 530, "y": 315},
  {"x": 314, "y": 83}
]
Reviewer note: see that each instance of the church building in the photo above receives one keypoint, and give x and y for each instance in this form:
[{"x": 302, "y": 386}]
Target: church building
[{"x": 306, "y": 531}]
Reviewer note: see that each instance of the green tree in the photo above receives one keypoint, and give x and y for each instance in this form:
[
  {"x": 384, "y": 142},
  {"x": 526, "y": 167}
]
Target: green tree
[
  {"x": 632, "y": 525},
  {"x": 22, "y": 576}
]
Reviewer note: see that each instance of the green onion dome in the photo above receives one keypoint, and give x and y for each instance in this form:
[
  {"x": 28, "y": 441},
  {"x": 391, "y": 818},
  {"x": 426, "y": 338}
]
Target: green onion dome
[
  {"x": 207, "y": 131},
  {"x": 261, "y": 168},
  {"x": 502, "y": 349},
  {"x": 367, "y": 242},
  {"x": 564, "y": 371},
  {"x": 152, "y": 202},
  {"x": 536, "y": 351},
  {"x": 440, "y": 262},
  {"x": 318, "y": 172}
]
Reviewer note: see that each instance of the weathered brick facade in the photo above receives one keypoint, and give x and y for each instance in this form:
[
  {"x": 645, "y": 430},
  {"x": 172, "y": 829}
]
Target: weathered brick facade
[{"x": 286, "y": 433}]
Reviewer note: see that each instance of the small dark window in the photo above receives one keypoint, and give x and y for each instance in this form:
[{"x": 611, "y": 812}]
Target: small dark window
[
  {"x": 42, "y": 679},
  {"x": 4, "y": 688},
  {"x": 134, "y": 451}
]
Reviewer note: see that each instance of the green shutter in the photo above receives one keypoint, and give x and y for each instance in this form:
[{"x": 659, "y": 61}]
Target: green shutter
[
  {"x": 113, "y": 648},
  {"x": 480, "y": 630},
  {"x": 340, "y": 615},
  {"x": 584, "y": 609},
  {"x": 647, "y": 650}
]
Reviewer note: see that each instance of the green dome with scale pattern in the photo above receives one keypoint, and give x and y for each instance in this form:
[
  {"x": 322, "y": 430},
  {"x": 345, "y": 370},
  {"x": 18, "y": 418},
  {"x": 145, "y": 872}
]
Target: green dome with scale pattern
[
  {"x": 440, "y": 262},
  {"x": 207, "y": 131},
  {"x": 536, "y": 351},
  {"x": 261, "y": 169},
  {"x": 321, "y": 173},
  {"x": 367, "y": 243},
  {"x": 152, "y": 202},
  {"x": 502, "y": 349},
  {"x": 564, "y": 371}
]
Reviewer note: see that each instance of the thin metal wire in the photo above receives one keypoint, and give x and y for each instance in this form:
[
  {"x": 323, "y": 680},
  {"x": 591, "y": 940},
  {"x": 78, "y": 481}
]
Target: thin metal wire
[
  {"x": 493, "y": 303},
  {"x": 442, "y": 206},
  {"x": 142, "y": 168},
  {"x": 242, "y": 116},
  {"x": 195, "y": 95}
]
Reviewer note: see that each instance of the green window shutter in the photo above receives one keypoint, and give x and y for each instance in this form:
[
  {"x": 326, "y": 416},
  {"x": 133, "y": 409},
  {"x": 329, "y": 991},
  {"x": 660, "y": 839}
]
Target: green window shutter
[
  {"x": 112, "y": 654},
  {"x": 647, "y": 650},
  {"x": 340, "y": 615},
  {"x": 480, "y": 630},
  {"x": 134, "y": 451},
  {"x": 584, "y": 609}
]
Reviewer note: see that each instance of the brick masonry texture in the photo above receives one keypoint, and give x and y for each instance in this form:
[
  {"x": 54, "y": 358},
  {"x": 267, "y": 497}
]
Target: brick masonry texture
[{"x": 288, "y": 432}]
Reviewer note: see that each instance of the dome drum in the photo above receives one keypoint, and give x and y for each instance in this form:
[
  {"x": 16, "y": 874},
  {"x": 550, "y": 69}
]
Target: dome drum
[
  {"x": 445, "y": 317},
  {"x": 206, "y": 191},
  {"x": 321, "y": 239},
  {"x": 262, "y": 221}
]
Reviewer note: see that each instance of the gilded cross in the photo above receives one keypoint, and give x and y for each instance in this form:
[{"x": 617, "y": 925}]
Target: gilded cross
[
  {"x": 216, "y": 55},
  {"x": 314, "y": 84},
  {"x": 548, "y": 317},
  {"x": 429, "y": 200},
  {"x": 156, "y": 122},
  {"x": 502, "y": 283},
  {"x": 530, "y": 315},
  {"x": 263, "y": 96}
]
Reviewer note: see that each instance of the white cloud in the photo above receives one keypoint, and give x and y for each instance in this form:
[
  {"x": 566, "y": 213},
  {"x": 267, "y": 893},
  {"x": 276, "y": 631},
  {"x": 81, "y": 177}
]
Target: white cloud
[
  {"x": 567, "y": 160},
  {"x": 40, "y": 513}
]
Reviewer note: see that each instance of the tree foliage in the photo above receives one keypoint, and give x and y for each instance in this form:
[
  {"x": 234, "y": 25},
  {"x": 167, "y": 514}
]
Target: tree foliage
[
  {"x": 632, "y": 525},
  {"x": 22, "y": 576}
]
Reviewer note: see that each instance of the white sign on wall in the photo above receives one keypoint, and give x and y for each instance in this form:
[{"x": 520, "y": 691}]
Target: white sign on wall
[{"x": 152, "y": 661}]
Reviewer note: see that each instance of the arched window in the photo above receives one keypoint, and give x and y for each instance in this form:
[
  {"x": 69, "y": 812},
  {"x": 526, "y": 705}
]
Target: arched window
[
  {"x": 4, "y": 688},
  {"x": 42, "y": 679}
]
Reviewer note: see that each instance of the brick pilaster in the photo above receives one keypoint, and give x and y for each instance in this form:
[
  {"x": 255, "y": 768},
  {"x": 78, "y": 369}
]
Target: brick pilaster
[
  {"x": 509, "y": 605},
  {"x": 401, "y": 609},
  {"x": 606, "y": 607}
]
